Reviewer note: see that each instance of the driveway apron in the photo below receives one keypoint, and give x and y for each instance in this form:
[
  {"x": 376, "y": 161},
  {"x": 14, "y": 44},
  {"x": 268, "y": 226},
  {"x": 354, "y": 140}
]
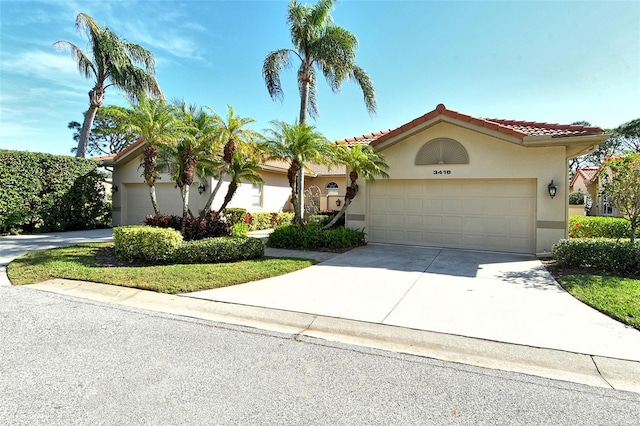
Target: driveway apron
[{"x": 494, "y": 296}]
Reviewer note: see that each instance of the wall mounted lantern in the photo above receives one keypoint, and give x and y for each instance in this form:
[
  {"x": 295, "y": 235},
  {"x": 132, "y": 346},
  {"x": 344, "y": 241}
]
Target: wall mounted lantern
[
  {"x": 552, "y": 189},
  {"x": 114, "y": 188},
  {"x": 338, "y": 202},
  {"x": 201, "y": 189}
]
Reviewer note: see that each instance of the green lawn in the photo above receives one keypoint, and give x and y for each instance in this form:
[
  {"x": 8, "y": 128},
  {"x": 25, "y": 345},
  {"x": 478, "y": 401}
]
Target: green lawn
[
  {"x": 95, "y": 262},
  {"x": 616, "y": 297}
]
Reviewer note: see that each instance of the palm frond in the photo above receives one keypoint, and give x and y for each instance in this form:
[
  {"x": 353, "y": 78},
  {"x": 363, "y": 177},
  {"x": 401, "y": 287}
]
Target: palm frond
[{"x": 273, "y": 64}]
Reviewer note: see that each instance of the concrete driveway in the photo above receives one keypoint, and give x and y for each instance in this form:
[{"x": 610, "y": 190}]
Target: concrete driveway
[{"x": 494, "y": 296}]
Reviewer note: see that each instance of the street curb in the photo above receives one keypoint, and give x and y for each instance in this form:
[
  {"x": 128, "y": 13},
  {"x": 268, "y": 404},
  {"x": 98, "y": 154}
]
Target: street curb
[{"x": 549, "y": 363}]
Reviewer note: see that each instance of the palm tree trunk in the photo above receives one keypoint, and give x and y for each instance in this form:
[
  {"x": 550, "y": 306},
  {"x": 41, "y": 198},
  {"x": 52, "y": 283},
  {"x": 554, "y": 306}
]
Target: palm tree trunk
[
  {"x": 233, "y": 187},
  {"x": 154, "y": 199},
  {"x": 207, "y": 206},
  {"x": 85, "y": 131},
  {"x": 96, "y": 96},
  {"x": 352, "y": 191}
]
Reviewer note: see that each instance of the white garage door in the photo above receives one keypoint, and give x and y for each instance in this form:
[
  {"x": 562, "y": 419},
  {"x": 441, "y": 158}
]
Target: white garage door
[
  {"x": 138, "y": 201},
  {"x": 476, "y": 214}
]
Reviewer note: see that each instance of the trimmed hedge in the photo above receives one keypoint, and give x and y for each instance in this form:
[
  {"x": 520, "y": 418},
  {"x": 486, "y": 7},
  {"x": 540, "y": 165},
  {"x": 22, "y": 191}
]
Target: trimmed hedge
[
  {"x": 195, "y": 229},
  {"x": 598, "y": 227},
  {"x": 154, "y": 245},
  {"x": 268, "y": 220},
  {"x": 146, "y": 243},
  {"x": 235, "y": 215},
  {"x": 613, "y": 256},
  {"x": 45, "y": 193},
  {"x": 219, "y": 250},
  {"x": 312, "y": 237}
]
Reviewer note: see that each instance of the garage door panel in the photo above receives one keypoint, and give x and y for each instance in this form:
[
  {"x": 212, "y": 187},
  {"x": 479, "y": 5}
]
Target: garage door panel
[{"x": 483, "y": 214}]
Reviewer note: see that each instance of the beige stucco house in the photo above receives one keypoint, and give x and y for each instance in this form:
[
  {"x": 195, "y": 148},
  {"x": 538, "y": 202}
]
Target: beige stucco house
[
  {"x": 467, "y": 182},
  {"x": 131, "y": 200},
  {"x": 455, "y": 181}
]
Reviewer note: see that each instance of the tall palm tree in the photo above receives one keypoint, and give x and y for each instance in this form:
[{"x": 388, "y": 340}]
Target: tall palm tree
[
  {"x": 320, "y": 45},
  {"x": 297, "y": 144},
  {"x": 363, "y": 161},
  {"x": 233, "y": 132},
  {"x": 155, "y": 122},
  {"x": 242, "y": 169},
  {"x": 110, "y": 60}
]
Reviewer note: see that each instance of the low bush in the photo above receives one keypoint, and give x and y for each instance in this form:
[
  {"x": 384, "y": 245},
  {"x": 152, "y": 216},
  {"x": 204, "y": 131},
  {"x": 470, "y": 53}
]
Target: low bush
[
  {"x": 219, "y": 250},
  {"x": 598, "y": 227},
  {"x": 613, "y": 256},
  {"x": 235, "y": 215},
  {"x": 240, "y": 230},
  {"x": 282, "y": 218},
  {"x": 154, "y": 245},
  {"x": 146, "y": 243},
  {"x": 261, "y": 220},
  {"x": 312, "y": 237},
  {"x": 318, "y": 219},
  {"x": 577, "y": 198},
  {"x": 195, "y": 229}
]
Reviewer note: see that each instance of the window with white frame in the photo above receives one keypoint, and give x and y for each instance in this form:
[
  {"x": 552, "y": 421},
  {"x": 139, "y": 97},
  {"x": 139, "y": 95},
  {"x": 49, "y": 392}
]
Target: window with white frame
[
  {"x": 607, "y": 208},
  {"x": 256, "y": 195},
  {"x": 332, "y": 188}
]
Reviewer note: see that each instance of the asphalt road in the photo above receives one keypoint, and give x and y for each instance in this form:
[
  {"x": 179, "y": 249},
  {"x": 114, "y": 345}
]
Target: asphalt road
[{"x": 70, "y": 361}]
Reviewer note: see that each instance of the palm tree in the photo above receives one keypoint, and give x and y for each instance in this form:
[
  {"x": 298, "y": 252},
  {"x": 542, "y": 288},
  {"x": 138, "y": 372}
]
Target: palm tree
[
  {"x": 320, "y": 45},
  {"x": 363, "y": 161},
  {"x": 242, "y": 168},
  {"x": 233, "y": 132},
  {"x": 155, "y": 122},
  {"x": 297, "y": 144},
  {"x": 194, "y": 152},
  {"x": 109, "y": 60}
]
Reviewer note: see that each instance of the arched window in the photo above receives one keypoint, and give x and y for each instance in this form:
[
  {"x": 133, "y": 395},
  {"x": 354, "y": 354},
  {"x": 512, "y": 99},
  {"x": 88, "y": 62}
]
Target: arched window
[
  {"x": 442, "y": 151},
  {"x": 332, "y": 188}
]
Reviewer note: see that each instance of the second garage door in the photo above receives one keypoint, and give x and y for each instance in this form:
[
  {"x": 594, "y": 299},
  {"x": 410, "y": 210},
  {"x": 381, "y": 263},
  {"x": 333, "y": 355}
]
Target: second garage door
[{"x": 476, "y": 214}]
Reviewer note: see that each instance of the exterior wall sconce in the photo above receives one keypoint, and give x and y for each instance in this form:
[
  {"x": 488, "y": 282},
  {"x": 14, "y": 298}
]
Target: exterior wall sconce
[
  {"x": 114, "y": 188},
  {"x": 338, "y": 202},
  {"x": 201, "y": 189},
  {"x": 552, "y": 189}
]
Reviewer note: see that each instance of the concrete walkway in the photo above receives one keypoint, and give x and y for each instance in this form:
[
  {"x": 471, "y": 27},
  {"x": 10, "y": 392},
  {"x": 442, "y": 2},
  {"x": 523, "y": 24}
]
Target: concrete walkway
[{"x": 492, "y": 310}]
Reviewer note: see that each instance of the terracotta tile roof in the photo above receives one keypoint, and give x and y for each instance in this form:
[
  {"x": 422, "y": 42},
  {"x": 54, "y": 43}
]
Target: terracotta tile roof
[
  {"x": 518, "y": 129},
  {"x": 532, "y": 128},
  {"x": 589, "y": 173},
  {"x": 364, "y": 139}
]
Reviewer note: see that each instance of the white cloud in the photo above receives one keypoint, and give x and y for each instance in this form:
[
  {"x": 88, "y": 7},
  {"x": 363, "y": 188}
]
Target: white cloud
[{"x": 57, "y": 67}]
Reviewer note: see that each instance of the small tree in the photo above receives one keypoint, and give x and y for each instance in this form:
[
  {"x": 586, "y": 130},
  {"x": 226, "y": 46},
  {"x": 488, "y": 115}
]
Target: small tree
[
  {"x": 363, "y": 161},
  {"x": 107, "y": 133},
  {"x": 623, "y": 187}
]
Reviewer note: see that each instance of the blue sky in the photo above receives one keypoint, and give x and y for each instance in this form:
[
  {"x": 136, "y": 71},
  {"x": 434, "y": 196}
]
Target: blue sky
[{"x": 549, "y": 61}]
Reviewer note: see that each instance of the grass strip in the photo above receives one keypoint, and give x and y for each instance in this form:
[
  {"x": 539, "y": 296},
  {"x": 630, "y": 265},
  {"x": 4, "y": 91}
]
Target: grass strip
[
  {"x": 81, "y": 263},
  {"x": 616, "y": 297}
]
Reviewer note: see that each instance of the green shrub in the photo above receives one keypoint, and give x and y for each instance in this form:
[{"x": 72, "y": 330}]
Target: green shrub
[
  {"x": 47, "y": 193},
  {"x": 240, "y": 230},
  {"x": 619, "y": 257},
  {"x": 314, "y": 238},
  {"x": 318, "y": 219},
  {"x": 282, "y": 218},
  {"x": 146, "y": 243},
  {"x": 219, "y": 250},
  {"x": 235, "y": 215},
  {"x": 261, "y": 220},
  {"x": 598, "y": 227},
  {"x": 576, "y": 197},
  {"x": 210, "y": 226}
]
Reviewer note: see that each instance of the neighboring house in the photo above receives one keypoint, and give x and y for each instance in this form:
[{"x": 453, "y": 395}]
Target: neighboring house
[
  {"x": 585, "y": 180},
  {"x": 131, "y": 200},
  {"x": 589, "y": 179},
  {"x": 465, "y": 182}
]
